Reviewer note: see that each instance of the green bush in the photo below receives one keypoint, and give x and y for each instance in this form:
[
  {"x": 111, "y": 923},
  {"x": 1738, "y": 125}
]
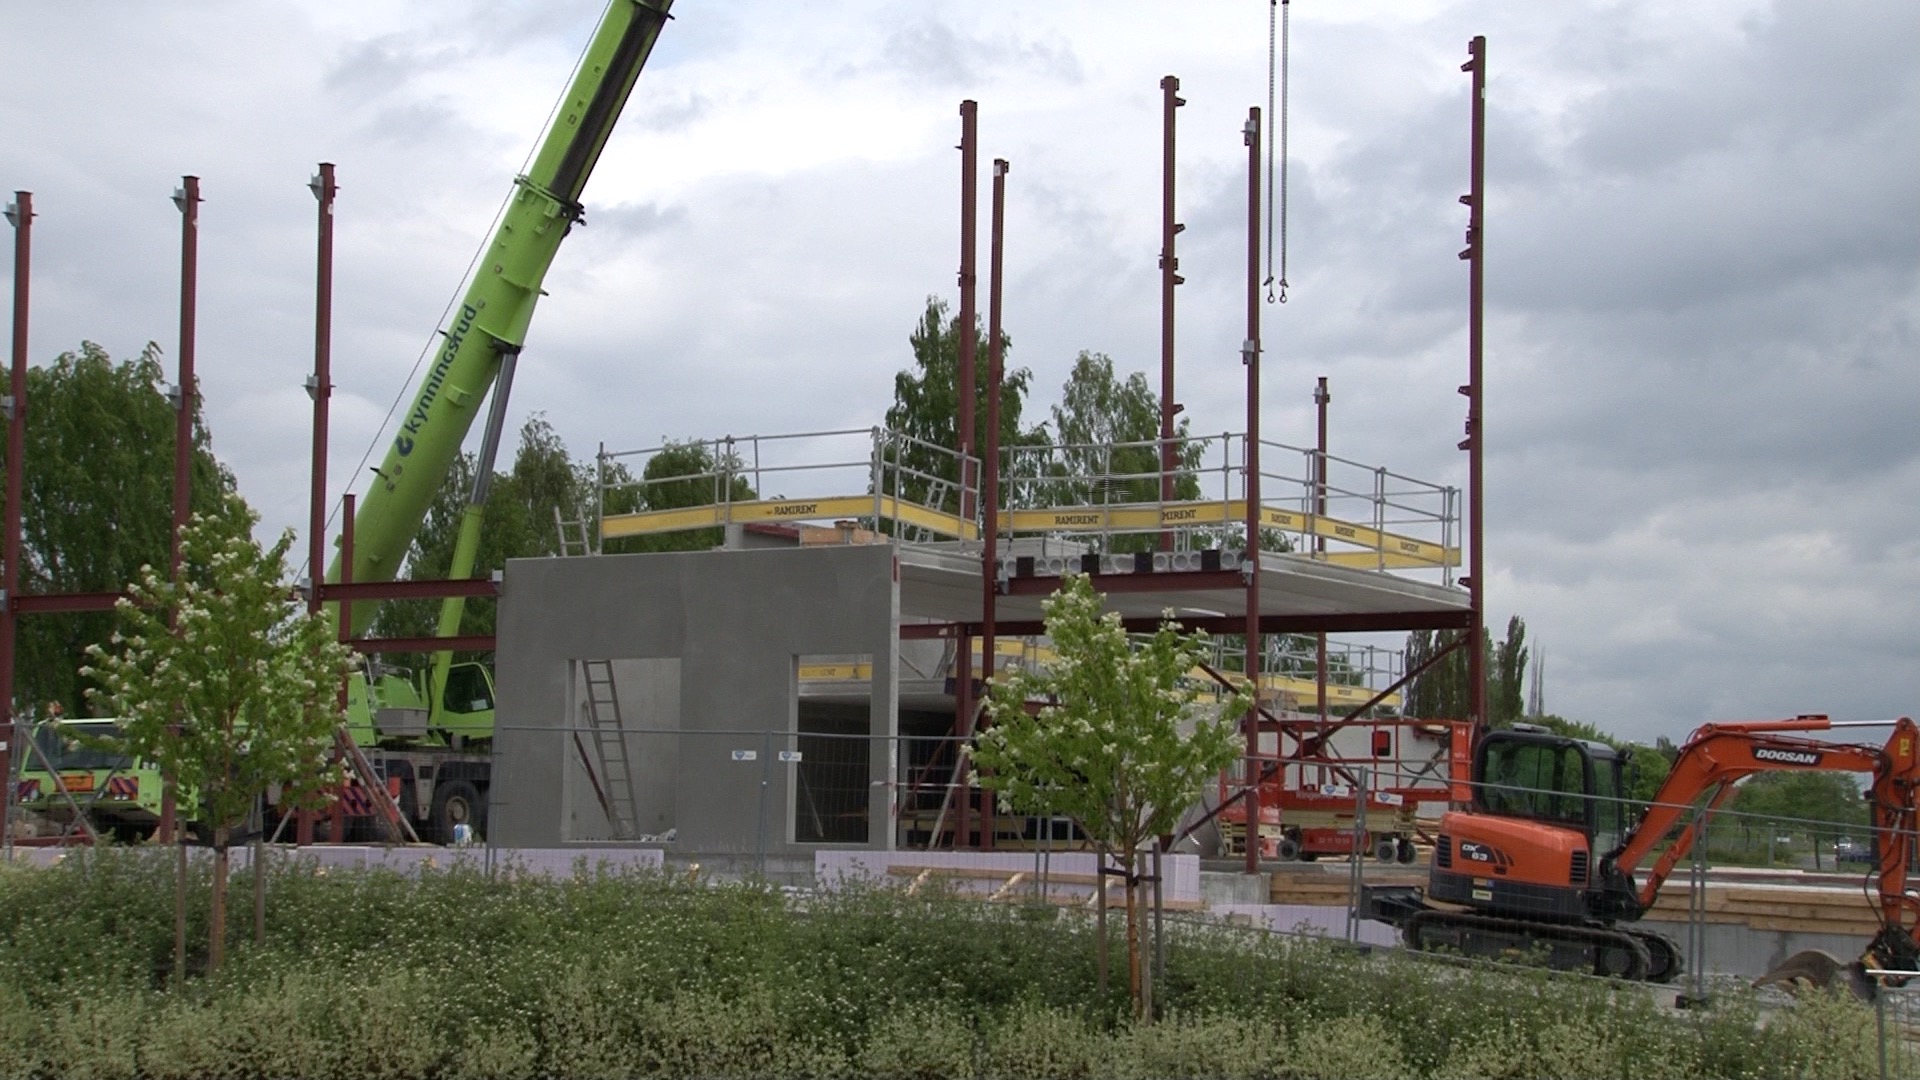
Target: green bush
[{"x": 643, "y": 975}]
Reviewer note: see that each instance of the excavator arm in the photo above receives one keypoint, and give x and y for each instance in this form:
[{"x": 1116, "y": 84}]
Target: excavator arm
[{"x": 1719, "y": 756}]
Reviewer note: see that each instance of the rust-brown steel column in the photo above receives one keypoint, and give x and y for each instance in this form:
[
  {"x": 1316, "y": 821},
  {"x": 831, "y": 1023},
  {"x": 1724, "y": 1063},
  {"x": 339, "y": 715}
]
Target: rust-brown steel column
[
  {"x": 336, "y": 816},
  {"x": 963, "y": 437},
  {"x": 965, "y": 375},
  {"x": 321, "y": 388},
  {"x": 1170, "y": 100},
  {"x": 995, "y": 358},
  {"x": 20, "y": 215},
  {"x": 1475, "y": 442},
  {"x": 187, "y": 199},
  {"x": 1250, "y": 356},
  {"x": 1320, "y": 399}
]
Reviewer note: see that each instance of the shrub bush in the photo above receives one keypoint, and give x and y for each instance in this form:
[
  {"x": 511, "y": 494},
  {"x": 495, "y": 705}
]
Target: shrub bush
[{"x": 633, "y": 974}]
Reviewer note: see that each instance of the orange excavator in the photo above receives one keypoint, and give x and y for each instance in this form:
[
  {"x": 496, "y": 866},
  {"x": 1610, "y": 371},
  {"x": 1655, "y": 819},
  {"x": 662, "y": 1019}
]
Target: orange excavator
[{"x": 1542, "y": 859}]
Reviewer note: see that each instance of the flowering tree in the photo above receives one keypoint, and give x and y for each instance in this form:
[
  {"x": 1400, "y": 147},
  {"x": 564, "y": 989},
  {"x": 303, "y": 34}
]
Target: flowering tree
[
  {"x": 239, "y": 693},
  {"x": 1121, "y": 742}
]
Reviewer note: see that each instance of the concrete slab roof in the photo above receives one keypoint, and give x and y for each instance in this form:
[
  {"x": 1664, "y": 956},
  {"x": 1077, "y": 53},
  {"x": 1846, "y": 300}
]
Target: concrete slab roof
[{"x": 1297, "y": 594}]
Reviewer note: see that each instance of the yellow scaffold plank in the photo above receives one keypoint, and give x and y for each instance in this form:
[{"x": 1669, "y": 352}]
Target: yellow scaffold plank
[
  {"x": 1374, "y": 560},
  {"x": 946, "y": 524},
  {"x": 1401, "y": 551},
  {"x": 836, "y": 672},
  {"x": 831, "y": 508},
  {"x": 1306, "y": 692},
  {"x": 615, "y": 526}
]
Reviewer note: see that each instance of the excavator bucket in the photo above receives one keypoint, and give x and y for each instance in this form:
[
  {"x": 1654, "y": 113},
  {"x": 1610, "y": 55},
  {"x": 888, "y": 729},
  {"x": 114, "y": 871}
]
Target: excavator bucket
[{"x": 1812, "y": 969}]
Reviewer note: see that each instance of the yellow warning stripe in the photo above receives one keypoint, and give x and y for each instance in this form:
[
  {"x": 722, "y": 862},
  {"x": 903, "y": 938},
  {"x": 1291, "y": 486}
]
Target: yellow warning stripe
[
  {"x": 1401, "y": 551},
  {"x": 836, "y": 672},
  {"x": 832, "y": 508},
  {"x": 1383, "y": 549}
]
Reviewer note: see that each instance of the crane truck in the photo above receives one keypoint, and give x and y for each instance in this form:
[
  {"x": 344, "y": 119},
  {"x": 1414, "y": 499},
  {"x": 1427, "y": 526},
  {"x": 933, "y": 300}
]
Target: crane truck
[
  {"x": 428, "y": 735},
  {"x": 1543, "y": 859}
]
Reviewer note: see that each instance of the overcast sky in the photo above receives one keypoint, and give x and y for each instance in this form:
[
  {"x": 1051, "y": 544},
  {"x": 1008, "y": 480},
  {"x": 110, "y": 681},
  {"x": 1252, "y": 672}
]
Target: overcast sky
[{"x": 1703, "y": 274}]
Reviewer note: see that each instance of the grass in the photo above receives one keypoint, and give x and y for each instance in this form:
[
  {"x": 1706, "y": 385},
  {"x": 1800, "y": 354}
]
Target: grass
[{"x": 643, "y": 975}]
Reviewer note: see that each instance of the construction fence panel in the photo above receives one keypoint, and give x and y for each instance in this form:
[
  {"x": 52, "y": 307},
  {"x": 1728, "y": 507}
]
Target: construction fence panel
[
  {"x": 1896, "y": 1009},
  {"x": 745, "y": 792}
]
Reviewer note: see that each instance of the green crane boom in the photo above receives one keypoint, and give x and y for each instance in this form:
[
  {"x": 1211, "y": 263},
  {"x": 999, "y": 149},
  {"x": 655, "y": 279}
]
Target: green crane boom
[{"x": 489, "y": 327}]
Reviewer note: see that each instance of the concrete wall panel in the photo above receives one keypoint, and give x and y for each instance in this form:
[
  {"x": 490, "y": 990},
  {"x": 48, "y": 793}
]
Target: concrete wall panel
[{"x": 736, "y": 622}]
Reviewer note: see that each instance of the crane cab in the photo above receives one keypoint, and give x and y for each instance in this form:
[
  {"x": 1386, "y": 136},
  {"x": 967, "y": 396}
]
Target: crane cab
[{"x": 1546, "y": 808}]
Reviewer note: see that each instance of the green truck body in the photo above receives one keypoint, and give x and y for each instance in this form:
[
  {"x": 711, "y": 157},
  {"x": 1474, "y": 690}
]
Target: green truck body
[
  {"x": 72, "y": 767},
  {"x": 435, "y": 762}
]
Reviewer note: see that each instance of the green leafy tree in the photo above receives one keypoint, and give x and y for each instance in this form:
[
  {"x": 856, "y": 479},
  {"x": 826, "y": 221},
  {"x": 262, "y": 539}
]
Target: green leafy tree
[
  {"x": 1122, "y": 743},
  {"x": 1794, "y": 800},
  {"x": 1108, "y": 430},
  {"x": 680, "y": 476},
  {"x": 1507, "y": 676},
  {"x": 926, "y": 408},
  {"x": 98, "y": 503},
  {"x": 239, "y": 694},
  {"x": 1441, "y": 692}
]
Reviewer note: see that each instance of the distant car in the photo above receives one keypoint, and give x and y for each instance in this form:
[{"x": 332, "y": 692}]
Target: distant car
[{"x": 1847, "y": 851}]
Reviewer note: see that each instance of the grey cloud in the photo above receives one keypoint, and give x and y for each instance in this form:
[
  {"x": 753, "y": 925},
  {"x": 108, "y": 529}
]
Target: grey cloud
[
  {"x": 671, "y": 110},
  {"x": 635, "y": 220},
  {"x": 374, "y": 67},
  {"x": 1798, "y": 73},
  {"x": 930, "y": 53}
]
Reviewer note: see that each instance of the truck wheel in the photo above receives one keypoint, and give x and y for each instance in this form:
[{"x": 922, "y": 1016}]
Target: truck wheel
[
  {"x": 455, "y": 802},
  {"x": 1407, "y": 853},
  {"x": 1286, "y": 849},
  {"x": 1385, "y": 848},
  {"x": 132, "y": 832}
]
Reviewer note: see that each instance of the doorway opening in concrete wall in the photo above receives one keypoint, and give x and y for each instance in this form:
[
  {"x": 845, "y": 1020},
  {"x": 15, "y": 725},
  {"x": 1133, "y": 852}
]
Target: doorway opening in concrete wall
[{"x": 833, "y": 750}]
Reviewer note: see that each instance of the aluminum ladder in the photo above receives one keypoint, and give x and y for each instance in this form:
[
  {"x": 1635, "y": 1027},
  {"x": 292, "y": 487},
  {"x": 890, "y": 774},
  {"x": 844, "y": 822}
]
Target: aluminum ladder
[
  {"x": 574, "y": 538},
  {"x": 612, "y": 783},
  {"x": 615, "y": 786}
]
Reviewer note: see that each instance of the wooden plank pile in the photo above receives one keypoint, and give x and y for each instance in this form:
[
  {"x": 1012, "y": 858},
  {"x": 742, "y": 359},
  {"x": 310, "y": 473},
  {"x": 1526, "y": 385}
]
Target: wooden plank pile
[
  {"x": 1804, "y": 908},
  {"x": 1329, "y": 889},
  {"x": 1062, "y": 890},
  {"x": 1775, "y": 907}
]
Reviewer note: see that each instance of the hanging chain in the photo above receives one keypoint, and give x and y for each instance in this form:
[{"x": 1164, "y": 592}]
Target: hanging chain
[
  {"x": 1286, "y": 59},
  {"x": 1278, "y": 12},
  {"x": 1273, "y": 7}
]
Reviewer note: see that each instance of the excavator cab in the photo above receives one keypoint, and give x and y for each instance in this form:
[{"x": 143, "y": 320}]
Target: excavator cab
[{"x": 1527, "y": 771}]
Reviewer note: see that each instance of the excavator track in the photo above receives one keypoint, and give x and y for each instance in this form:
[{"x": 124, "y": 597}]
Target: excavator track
[
  {"x": 1666, "y": 962},
  {"x": 1630, "y": 955}
]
